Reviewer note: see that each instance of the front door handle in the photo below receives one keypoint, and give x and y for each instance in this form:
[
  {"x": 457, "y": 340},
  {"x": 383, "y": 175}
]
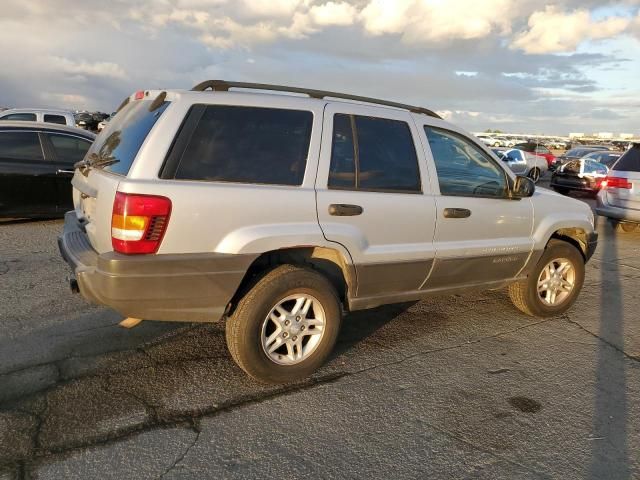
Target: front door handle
[
  {"x": 344, "y": 210},
  {"x": 457, "y": 213}
]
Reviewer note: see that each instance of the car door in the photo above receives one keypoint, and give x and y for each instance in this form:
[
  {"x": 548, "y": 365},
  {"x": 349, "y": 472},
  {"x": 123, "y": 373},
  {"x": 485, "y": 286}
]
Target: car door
[
  {"x": 516, "y": 161},
  {"x": 373, "y": 197},
  {"x": 65, "y": 151},
  {"x": 481, "y": 235},
  {"x": 27, "y": 178}
]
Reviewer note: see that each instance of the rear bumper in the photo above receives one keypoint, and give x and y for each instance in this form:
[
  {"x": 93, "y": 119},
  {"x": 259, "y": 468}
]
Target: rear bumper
[
  {"x": 176, "y": 287},
  {"x": 625, "y": 214}
]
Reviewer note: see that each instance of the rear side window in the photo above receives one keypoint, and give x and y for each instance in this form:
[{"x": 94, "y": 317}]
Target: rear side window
[
  {"x": 247, "y": 145},
  {"x": 25, "y": 117},
  {"x": 59, "y": 119},
  {"x": 630, "y": 161},
  {"x": 119, "y": 142},
  {"x": 69, "y": 149},
  {"x": 20, "y": 146},
  {"x": 373, "y": 154}
]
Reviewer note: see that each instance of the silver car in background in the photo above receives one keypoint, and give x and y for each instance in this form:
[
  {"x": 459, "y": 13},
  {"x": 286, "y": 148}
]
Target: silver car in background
[
  {"x": 43, "y": 115},
  {"x": 523, "y": 163},
  {"x": 619, "y": 197}
]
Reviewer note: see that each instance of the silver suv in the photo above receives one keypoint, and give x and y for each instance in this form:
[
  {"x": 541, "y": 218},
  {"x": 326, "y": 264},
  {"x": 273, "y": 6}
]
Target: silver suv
[
  {"x": 279, "y": 212},
  {"x": 619, "y": 197}
]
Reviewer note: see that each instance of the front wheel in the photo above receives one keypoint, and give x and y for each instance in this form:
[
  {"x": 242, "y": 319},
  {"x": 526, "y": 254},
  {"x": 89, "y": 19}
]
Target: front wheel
[
  {"x": 286, "y": 326},
  {"x": 554, "y": 284}
]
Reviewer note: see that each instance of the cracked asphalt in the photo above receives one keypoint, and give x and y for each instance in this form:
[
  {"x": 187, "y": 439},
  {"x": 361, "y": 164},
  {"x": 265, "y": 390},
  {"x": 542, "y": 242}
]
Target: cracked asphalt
[{"x": 461, "y": 386}]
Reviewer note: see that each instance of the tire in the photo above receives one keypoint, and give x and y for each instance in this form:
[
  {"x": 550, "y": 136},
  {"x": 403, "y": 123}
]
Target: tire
[
  {"x": 534, "y": 174},
  {"x": 249, "y": 325},
  {"x": 561, "y": 190},
  {"x": 524, "y": 294}
]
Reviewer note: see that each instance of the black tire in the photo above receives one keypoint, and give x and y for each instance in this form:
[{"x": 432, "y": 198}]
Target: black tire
[
  {"x": 534, "y": 174},
  {"x": 524, "y": 294},
  {"x": 561, "y": 190},
  {"x": 244, "y": 327}
]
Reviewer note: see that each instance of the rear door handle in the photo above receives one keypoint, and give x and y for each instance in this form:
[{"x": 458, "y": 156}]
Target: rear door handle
[
  {"x": 457, "y": 213},
  {"x": 344, "y": 210}
]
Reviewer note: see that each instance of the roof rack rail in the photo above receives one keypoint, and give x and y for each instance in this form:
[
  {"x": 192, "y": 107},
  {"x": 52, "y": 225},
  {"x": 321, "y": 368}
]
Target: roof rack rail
[{"x": 224, "y": 86}]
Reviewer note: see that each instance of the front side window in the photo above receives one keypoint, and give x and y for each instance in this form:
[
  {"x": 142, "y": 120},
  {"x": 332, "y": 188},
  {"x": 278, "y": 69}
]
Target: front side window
[
  {"x": 248, "y": 145},
  {"x": 23, "y": 117},
  {"x": 373, "y": 154},
  {"x": 463, "y": 168},
  {"x": 20, "y": 146},
  {"x": 69, "y": 149},
  {"x": 59, "y": 119}
]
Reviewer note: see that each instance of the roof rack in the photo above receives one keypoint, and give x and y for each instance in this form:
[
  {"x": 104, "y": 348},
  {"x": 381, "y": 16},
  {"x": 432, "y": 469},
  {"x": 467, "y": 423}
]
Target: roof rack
[{"x": 224, "y": 86}]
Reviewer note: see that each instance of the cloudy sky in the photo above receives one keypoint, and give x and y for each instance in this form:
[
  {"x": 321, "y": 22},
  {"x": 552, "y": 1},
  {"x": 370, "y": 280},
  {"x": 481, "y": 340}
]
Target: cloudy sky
[{"x": 517, "y": 65}]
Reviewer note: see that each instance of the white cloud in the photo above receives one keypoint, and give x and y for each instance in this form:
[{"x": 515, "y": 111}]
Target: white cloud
[
  {"x": 554, "y": 31},
  {"x": 83, "y": 68},
  {"x": 333, "y": 13}
]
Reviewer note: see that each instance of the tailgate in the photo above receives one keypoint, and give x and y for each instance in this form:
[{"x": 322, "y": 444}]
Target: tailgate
[
  {"x": 625, "y": 197},
  {"x": 93, "y": 197}
]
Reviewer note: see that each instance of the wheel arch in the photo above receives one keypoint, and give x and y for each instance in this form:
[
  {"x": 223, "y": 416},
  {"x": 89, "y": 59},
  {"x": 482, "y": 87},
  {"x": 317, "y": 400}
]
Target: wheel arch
[
  {"x": 576, "y": 236},
  {"x": 330, "y": 262}
]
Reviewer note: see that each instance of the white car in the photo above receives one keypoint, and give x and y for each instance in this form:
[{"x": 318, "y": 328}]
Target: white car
[
  {"x": 43, "y": 115},
  {"x": 489, "y": 141},
  {"x": 524, "y": 163}
]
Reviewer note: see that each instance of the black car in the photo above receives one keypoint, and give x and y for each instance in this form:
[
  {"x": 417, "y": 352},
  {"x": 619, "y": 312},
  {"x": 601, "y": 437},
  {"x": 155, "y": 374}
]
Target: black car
[
  {"x": 36, "y": 166},
  {"x": 86, "y": 121},
  {"x": 575, "y": 154},
  {"x": 583, "y": 174},
  {"x": 606, "y": 157}
]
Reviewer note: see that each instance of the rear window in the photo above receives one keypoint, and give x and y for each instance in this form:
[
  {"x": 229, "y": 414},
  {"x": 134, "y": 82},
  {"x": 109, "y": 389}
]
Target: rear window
[
  {"x": 69, "y": 149},
  {"x": 120, "y": 141},
  {"x": 630, "y": 161},
  {"x": 247, "y": 145},
  {"x": 59, "y": 119}
]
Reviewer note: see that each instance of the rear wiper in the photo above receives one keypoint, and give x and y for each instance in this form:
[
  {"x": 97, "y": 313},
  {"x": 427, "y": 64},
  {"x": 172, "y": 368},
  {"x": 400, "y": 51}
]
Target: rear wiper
[
  {"x": 94, "y": 161},
  {"x": 104, "y": 163}
]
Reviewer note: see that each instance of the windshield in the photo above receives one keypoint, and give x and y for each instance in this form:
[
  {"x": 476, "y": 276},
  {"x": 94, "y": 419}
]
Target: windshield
[{"x": 118, "y": 144}]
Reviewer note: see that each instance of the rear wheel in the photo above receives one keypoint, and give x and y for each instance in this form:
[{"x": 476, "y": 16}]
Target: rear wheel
[
  {"x": 554, "y": 284},
  {"x": 534, "y": 174},
  {"x": 285, "y": 327}
]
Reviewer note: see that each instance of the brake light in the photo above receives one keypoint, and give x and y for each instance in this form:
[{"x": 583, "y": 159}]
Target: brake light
[
  {"x": 616, "y": 182},
  {"x": 139, "y": 222},
  {"x": 139, "y": 95}
]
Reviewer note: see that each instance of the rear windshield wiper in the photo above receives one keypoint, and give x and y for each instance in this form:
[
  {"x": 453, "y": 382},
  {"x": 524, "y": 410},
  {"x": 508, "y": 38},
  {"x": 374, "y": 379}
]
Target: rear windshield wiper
[{"x": 94, "y": 161}]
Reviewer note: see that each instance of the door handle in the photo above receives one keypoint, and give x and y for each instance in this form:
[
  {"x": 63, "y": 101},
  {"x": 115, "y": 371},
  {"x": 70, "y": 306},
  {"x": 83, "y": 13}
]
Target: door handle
[
  {"x": 59, "y": 171},
  {"x": 344, "y": 210},
  {"x": 457, "y": 213}
]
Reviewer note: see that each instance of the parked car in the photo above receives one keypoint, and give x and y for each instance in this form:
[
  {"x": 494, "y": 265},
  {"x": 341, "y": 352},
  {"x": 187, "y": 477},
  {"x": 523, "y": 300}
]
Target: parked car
[
  {"x": 574, "y": 154},
  {"x": 619, "y": 198},
  {"x": 86, "y": 121},
  {"x": 36, "y": 166},
  {"x": 490, "y": 141},
  {"x": 606, "y": 157},
  {"x": 103, "y": 123},
  {"x": 537, "y": 149},
  {"x": 279, "y": 212},
  {"x": 43, "y": 115},
  {"x": 523, "y": 163},
  {"x": 583, "y": 174}
]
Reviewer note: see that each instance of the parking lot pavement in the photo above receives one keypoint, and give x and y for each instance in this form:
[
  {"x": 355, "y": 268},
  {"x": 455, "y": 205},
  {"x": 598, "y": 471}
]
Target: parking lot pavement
[{"x": 460, "y": 386}]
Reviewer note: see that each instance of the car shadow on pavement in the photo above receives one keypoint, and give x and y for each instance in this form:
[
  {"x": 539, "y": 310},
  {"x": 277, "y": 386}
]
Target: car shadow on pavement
[{"x": 610, "y": 456}]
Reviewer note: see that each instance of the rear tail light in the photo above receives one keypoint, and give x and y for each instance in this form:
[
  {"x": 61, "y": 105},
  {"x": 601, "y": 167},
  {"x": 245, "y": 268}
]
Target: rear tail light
[
  {"x": 138, "y": 222},
  {"x": 616, "y": 182}
]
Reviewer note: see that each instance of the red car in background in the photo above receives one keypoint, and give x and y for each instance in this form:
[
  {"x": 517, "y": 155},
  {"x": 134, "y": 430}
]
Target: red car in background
[{"x": 537, "y": 149}]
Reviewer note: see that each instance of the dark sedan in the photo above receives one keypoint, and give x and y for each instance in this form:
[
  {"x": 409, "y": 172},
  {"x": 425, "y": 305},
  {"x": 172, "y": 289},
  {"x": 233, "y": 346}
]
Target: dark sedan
[
  {"x": 575, "y": 154},
  {"x": 36, "y": 166},
  {"x": 583, "y": 174}
]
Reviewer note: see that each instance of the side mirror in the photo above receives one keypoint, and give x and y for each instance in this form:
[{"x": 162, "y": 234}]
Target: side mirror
[{"x": 523, "y": 187}]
